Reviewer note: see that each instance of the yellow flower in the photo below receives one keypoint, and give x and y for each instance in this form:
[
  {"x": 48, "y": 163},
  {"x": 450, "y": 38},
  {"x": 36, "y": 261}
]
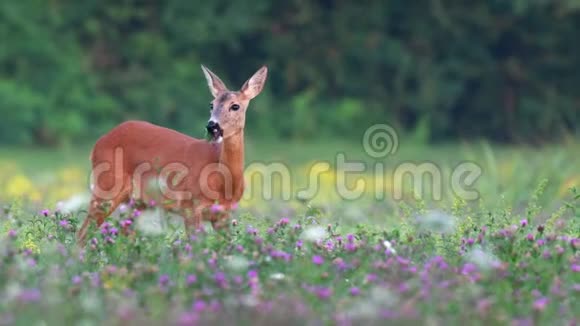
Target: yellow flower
[
  {"x": 108, "y": 284},
  {"x": 29, "y": 244},
  {"x": 18, "y": 186}
]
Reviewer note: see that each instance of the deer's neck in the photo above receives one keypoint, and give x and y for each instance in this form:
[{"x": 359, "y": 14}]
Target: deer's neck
[{"x": 232, "y": 159}]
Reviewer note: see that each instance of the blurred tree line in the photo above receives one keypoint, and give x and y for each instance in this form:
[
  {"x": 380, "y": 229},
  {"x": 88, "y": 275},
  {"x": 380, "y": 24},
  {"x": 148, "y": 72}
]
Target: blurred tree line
[{"x": 440, "y": 69}]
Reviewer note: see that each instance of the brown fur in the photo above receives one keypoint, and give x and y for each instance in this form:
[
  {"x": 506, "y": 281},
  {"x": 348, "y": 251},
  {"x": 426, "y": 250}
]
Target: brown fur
[{"x": 120, "y": 157}]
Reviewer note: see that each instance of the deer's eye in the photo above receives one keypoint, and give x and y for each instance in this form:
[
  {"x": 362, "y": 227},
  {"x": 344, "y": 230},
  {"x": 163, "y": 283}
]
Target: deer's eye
[
  {"x": 235, "y": 107},
  {"x": 211, "y": 106}
]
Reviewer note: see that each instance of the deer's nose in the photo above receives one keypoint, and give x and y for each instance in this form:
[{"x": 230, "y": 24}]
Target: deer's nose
[{"x": 213, "y": 127}]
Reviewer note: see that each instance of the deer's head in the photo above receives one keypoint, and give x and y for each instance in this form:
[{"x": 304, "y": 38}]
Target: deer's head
[{"x": 228, "y": 108}]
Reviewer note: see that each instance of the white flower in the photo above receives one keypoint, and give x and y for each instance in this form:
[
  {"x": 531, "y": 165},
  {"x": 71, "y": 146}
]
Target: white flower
[
  {"x": 389, "y": 247},
  {"x": 314, "y": 233},
  {"x": 277, "y": 276}
]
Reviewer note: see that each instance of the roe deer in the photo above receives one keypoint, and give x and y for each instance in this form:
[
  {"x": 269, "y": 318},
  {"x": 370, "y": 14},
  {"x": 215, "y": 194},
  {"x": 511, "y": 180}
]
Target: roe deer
[{"x": 204, "y": 171}]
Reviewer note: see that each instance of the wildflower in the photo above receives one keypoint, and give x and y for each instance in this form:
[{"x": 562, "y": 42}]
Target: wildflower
[
  {"x": 317, "y": 260},
  {"x": 190, "y": 279},
  {"x": 530, "y": 237},
  {"x": 575, "y": 268},
  {"x": 136, "y": 213},
  {"x": 216, "y": 208},
  {"x": 483, "y": 306},
  {"x": 199, "y": 305},
  {"x": 541, "y": 303},
  {"x": 284, "y": 221},
  {"x": 299, "y": 244},
  {"x": 277, "y": 276},
  {"x": 64, "y": 224},
  {"x": 45, "y": 212},
  {"x": 371, "y": 278},
  {"x": 152, "y": 203},
  {"x": 76, "y": 280},
  {"x": 354, "y": 291},
  {"x": 540, "y": 228},
  {"x": 113, "y": 231},
  {"x": 220, "y": 279},
  {"x": 524, "y": 223},
  {"x": 389, "y": 248},
  {"x": 29, "y": 295},
  {"x": 541, "y": 242},
  {"x": 126, "y": 223},
  {"x": 12, "y": 234},
  {"x": 329, "y": 245},
  {"x": 123, "y": 208},
  {"x": 323, "y": 293},
  {"x": 164, "y": 280}
]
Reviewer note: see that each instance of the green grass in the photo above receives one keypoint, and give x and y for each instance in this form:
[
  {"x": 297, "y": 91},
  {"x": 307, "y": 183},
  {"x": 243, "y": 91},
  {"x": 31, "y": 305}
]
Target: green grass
[{"x": 509, "y": 257}]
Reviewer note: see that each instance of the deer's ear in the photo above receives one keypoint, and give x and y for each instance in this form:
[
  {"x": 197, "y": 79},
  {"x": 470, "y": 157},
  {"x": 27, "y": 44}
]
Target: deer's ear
[
  {"x": 215, "y": 84},
  {"x": 253, "y": 86}
]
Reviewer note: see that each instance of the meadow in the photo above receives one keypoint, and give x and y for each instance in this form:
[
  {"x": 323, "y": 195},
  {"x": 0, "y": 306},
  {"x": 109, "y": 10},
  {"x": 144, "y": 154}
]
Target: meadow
[{"x": 508, "y": 257}]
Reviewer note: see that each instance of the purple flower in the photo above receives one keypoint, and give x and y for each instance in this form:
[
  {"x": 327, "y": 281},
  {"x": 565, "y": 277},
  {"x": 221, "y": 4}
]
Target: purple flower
[
  {"x": 113, "y": 231},
  {"x": 45, "y": 212},
  {"x": 284, "y": 221},
  {"x": 524, "y": 223},
  {"x": 350, "y": 238},
  {"x": 530, "y": 237},
  {"x": 199, "y": 306},
  {"x": 299, "y": 244},
  {"x": 220, "y": 279},
  {"x": 126, "y": 223},
  {"x": 190, "y": 279},
  {"x": 317, "y": 260},
  {"x": 541, "y": 303},
  {"x": 76, "y": 280},
  {"x": 541, "y": 242},
  {"x": 164, "y": 280},
  {"x": 136, "y": 213},
  {"x": 64, "y": 224},
  {"x": 12, "y": 234},
  {"x": 329, "y": 245},
  {"x": 354, "y": 291},
  {"x": 371, "y": 278},
  {"x": 575, "y": 268},
  {"x": 323, "y": 293},
  {"x": 216, "y": 208},
  {"x": 152, "y": 203},
  {"x": 252, "y": 274},
  {"x": 29, "y": 295}
]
